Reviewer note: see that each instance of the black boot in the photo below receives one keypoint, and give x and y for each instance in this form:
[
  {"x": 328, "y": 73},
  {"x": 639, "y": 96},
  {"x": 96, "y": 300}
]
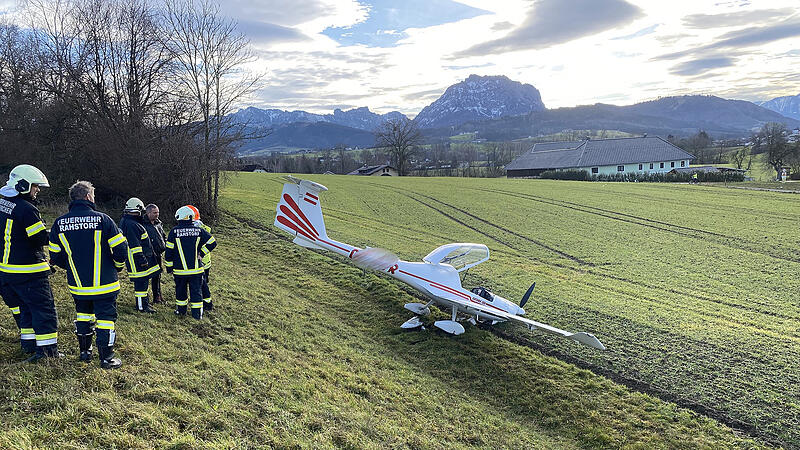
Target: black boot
[
  {"x": 85, "y": 345},
  {"x": 107, "y": 358},
  {"x": 180, "y": 310},
  {"x": 197, "y": 313},
  {"x": 84, "y": 332},
  {"x": 208, "y": 306},
  {"x": 146, "y": 308},
  {"x": 45, "y": 352}
]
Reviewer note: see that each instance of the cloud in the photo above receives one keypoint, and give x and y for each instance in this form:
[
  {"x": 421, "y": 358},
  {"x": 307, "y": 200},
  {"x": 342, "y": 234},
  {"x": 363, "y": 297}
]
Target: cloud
[
  {"x": 501, "y": 26},
  {"x": 640, "y": 33},
  {"x": 469, "y": 66},
  {"x": 397, "y": 17},
  {"x": 420, "y": 95},
  {"x": 264, "y": 33},
  {"x": 552, "y": 22},
  {"x": 740, "y": 18},
  {"x": 738, "y": 39},
  {"x": 699, "y": 66},
  {"x": 282, "y": 12}
]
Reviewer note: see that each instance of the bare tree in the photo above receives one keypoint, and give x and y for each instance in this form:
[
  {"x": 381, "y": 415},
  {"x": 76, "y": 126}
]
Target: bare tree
[
  {"x": 400, "y": 137},
  {"x": 772, "y": 140},
  {"x": 211, "y": 54},
  {"x": 739, "y": 156}
]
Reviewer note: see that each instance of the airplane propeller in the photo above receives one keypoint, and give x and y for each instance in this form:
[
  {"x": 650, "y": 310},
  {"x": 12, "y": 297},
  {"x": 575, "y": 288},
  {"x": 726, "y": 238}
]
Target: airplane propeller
[{"x": 527, "y": 295}]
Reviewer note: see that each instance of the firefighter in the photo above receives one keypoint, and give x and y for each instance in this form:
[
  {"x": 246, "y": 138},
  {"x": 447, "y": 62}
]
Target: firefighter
[
  {"x": 141, "y": 261},
  {"x": 186, "y": 245},
  {"x": 24, "y": 269},
  {"x": 206, "y": 260},
  {"x": 89, "y": 246}
]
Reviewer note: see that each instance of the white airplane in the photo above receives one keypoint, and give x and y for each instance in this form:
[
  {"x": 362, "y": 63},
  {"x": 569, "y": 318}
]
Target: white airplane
[{"x": 437, "y": 277}]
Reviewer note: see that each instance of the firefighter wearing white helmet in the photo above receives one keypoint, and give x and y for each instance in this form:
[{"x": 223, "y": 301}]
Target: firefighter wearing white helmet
[
  {"x": 186, "y": 246},
  {"x": 141, "y": 263},
  {"x": 208, "y": 305},
  {"x": 24, "y": 269}
]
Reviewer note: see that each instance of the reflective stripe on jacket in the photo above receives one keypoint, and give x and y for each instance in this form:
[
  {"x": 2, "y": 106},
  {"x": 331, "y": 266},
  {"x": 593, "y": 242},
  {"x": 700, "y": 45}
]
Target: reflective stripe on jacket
[
  {"x": 186, "y": 245},
  {"x": 23, "y": 237},
  {"x": 140, "y": 260},
  {"x": 89, "y": 246}
]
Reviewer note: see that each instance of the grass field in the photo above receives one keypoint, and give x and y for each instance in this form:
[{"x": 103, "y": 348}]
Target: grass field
[{"x": 691, "y": 288}]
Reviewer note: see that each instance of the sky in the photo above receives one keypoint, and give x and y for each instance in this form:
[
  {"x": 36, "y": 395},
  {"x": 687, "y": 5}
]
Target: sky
[{"x": 317, "y": 55}]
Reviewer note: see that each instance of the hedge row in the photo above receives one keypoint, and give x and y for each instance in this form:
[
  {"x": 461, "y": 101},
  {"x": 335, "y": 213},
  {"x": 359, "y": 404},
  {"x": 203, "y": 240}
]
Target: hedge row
[{"x": 583, "y": 175}]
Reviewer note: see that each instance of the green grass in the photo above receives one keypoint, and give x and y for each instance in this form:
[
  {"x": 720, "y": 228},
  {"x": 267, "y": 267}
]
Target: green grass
[
  {"x": 305, "y": 350},
  {"x": 691, "y": 287}
]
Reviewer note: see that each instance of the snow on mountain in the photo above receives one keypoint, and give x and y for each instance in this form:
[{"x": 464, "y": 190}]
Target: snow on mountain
[
  {"x": 788, "y": 106},
  {"x": 359, "y": 118},
  {"x": 480, "y": 98}
]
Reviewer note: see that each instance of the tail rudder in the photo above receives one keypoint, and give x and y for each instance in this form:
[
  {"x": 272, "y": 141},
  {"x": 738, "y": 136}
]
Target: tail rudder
[{"x": 299, "y": 212}]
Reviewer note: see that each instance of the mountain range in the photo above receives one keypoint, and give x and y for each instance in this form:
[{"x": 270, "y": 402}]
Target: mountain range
[
  {"x": 788, "y": 106},
  {"x": 498, "y": 108}
]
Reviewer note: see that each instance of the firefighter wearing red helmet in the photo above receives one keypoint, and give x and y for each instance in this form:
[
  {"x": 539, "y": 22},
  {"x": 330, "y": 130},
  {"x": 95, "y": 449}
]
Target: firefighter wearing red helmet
[
  {"x": 186, "y": 245},
  {"x": 208, "y": 305}
]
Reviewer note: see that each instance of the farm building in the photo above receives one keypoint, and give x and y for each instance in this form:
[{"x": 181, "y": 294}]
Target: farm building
[
  {"x": 253, "y": 168},
  {"x": 382, "y": 170},
  {"x": 601, "y": 157}
]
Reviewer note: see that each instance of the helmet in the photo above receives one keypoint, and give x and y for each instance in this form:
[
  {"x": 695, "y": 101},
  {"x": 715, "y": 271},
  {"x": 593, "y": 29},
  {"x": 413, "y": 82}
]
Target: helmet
[
  {"x": 196, "y": 212},
  {"x": 23, "y": 176},
  {"x": 134, "y": 205},
  {"x": 184, "y": 213}
]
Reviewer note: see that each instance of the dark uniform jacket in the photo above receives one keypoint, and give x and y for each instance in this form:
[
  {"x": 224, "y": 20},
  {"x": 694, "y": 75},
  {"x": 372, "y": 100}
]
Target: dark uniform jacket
[
  {"x": 157, "y": 236},
  {"x": 141, "y": 259},
  {"x": 23, "y": 237},
  {"x": 186, "y": 244},
  {"x": 89, "y": 246}
]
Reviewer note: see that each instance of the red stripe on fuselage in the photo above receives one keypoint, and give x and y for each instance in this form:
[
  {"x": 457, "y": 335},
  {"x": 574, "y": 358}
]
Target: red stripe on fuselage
[
  {"x": 290, "y": 201},
  {"x": 452, "y": 291},
  {"x": 334, "y": 245},
  {"x": 291, "y": 225}
]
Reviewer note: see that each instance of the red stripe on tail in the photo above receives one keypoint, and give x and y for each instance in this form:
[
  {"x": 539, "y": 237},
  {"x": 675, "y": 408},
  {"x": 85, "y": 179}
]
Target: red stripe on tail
[
  {"x": 291, "y": 225},
  {"x": 296, "y": 221},
  {"x": 290, "y": 201}
]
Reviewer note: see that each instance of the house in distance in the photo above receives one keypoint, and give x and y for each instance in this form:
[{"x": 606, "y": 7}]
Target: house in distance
[
  {"x": 601, "y": 157},
  {"x": 382, "y": 170}
]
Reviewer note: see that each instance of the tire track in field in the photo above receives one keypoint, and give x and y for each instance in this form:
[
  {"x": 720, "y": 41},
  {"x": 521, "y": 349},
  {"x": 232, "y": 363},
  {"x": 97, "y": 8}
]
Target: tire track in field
[
  {"x": 561, "y": 253},
  {"x": 625, "y": 379},
  {"x": 704, "y": 235},
  {"x": 634, "y": 283},
  {"x": 639, "y": 385},
  {"x": 578, "y": 206}
]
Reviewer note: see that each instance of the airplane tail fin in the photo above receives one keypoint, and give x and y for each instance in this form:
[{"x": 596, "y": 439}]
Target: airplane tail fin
[{"x": 299, "y": 212}]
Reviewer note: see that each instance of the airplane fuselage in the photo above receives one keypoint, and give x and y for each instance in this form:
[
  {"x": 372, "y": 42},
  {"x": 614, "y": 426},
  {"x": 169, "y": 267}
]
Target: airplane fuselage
[{"x": 438, "y": 282}]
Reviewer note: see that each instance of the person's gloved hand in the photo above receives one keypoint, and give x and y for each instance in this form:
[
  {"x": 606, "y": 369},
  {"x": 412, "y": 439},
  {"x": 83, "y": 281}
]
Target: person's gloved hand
[{"x": 169, "y": 269}]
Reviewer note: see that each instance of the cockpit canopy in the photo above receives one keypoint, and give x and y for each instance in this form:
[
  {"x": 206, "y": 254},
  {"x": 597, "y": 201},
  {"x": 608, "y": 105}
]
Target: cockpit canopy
[{"x": 461, "y": 256}]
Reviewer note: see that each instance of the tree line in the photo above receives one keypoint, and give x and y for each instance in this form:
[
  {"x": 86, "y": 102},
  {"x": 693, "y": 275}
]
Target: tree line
[{"x": 129, "y": 94}]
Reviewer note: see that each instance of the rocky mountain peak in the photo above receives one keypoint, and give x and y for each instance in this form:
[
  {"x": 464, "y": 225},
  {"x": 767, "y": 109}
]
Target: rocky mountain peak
[{"x": 480, "y": 98}]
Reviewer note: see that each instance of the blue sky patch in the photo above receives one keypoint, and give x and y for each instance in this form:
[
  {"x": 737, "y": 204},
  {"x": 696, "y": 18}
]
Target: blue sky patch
[{"x": 388, "y": 20}]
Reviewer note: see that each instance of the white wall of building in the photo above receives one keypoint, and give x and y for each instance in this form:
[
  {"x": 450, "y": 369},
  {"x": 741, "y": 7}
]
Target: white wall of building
[{"x": 633, "y": 168}]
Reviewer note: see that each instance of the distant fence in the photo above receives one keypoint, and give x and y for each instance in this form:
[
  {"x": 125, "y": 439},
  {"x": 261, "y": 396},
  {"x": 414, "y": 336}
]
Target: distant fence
[{"x": 583, "y": 175}]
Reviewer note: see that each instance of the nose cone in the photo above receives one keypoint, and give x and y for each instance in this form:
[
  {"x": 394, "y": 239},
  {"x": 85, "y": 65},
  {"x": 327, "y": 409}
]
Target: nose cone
[{"x": 520, "y": 311}]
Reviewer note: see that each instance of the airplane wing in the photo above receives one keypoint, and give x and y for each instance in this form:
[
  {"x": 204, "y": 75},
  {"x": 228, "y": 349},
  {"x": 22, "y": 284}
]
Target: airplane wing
[{"x": 470, "y": 305}]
